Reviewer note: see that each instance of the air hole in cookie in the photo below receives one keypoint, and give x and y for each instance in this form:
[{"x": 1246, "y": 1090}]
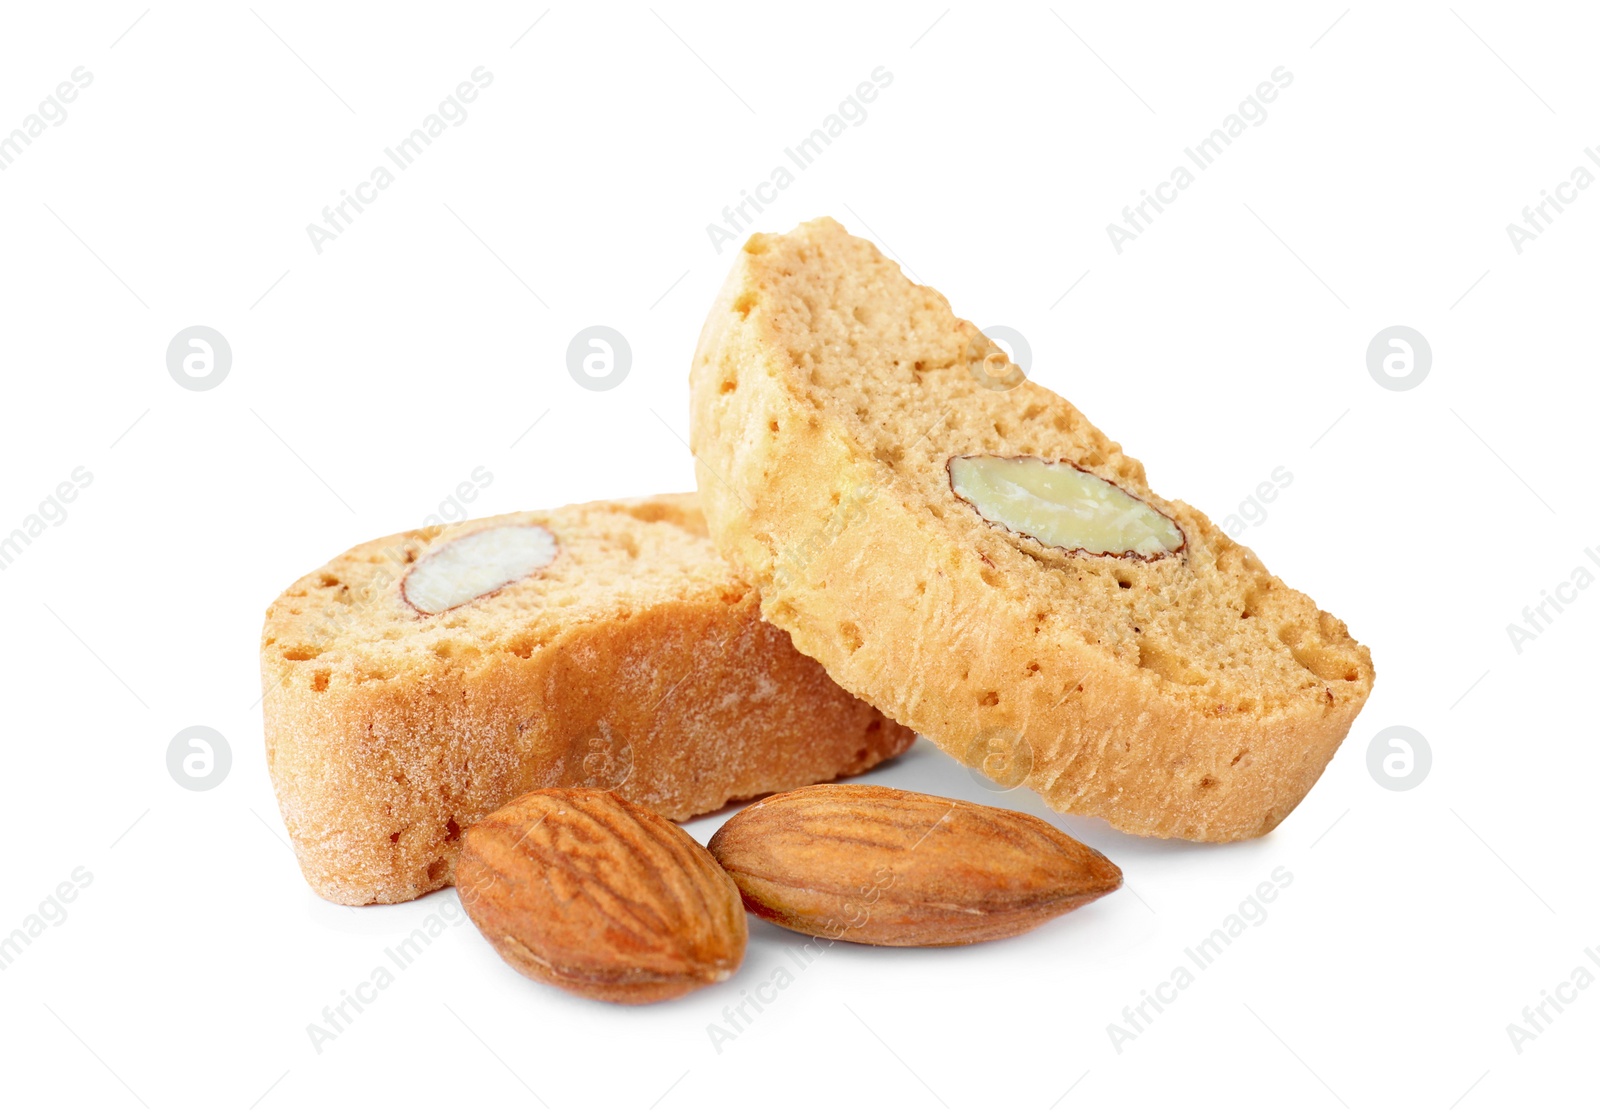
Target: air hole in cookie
[
  {"x": 990, "y": 699},
  {"x": 1237, "y": 757},
  {"x": 1033, "y": 667},
  {"x": 452, "y": 830},
  {"x": 1033, "y": 411},
  {"x": 330, "y": 580},
  {"x": 772, "y": 425},
  {"x": 850, "y": 635},
  {"x": 320, "y": 678},
  {"x": 1351, "y": 676},
  {"x": 394, "y": 836},
  {"x": 861, "y": 316},
  {"x": 1000, "y": 429},
  {"x": 890, "y": 456},
  {"x": 1124, "y": 584},
  {"x": 727, "y": 386},
  {"x": 436, "y": 869},
  {"x": 303, "y": 652},
  {"x": 1207, "y": 781},
  {"x": 744, "y": 304}
]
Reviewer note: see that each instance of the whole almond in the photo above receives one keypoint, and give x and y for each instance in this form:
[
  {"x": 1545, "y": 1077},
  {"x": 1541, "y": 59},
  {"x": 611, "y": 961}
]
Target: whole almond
[
  {"x": 580, "y": 889},
  {"x": 870, "y": 864}
]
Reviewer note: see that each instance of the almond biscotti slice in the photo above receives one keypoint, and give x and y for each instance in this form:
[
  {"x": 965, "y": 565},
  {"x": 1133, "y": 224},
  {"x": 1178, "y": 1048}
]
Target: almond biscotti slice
[
  {"x": 420, "y": 681},
  {"x": 963, "y": 549}
]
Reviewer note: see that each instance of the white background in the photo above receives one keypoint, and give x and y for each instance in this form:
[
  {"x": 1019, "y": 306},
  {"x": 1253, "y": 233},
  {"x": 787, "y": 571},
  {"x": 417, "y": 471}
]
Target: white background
[{"x": 369, "y": 380}]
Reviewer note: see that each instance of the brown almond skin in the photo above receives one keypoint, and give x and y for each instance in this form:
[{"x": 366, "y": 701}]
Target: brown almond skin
[
  {"x": 877, "y": 865},
  {"x": 580, "y": 889}
]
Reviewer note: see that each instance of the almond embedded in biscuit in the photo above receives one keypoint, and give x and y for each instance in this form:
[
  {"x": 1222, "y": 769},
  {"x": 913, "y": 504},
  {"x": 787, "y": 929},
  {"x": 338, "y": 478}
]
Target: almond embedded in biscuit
[
  {"x": 1153, "y": 673},
  {"x": 633, "y": 660}
]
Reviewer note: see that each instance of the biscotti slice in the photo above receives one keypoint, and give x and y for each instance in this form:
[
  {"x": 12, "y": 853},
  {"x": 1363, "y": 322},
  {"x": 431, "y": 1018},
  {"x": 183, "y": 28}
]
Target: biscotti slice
[
  {"x": 421, "y": 681},
  {"x": 963, "y": 549}
]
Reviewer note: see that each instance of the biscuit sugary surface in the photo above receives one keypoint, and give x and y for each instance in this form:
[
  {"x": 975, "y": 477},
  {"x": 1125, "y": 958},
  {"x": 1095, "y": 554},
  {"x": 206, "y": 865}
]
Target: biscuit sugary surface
[
  {"x": 635, "y": 661},
  {"x": 1193, "y": 695}
]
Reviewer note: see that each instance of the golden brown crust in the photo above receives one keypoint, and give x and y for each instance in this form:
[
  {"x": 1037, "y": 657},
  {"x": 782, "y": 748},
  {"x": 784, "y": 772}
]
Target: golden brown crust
[
  {"x": 1195, "y": 696},
  {"x": 638, "y": 662}
]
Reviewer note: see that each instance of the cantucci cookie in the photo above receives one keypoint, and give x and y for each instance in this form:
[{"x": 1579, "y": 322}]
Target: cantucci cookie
[
  {"x": 421, "y": 681},
  {"x": 963, "y": 549}
]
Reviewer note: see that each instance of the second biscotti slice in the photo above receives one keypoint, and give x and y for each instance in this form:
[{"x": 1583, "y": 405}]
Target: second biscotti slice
[
  {"x": 963, "y": 548},
  {"x": 420, "y": 681}
]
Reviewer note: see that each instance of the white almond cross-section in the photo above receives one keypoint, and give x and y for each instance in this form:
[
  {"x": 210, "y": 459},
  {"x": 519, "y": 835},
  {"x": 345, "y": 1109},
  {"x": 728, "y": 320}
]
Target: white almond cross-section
[
  {"x": 1062, "y": 506},
  {"x": 476, "y": 564}
]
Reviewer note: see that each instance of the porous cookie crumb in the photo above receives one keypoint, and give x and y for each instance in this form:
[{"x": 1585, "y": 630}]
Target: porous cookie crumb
[
  {"x": 634, "y": 661},
  {"x": 1182, "y": 692}
]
